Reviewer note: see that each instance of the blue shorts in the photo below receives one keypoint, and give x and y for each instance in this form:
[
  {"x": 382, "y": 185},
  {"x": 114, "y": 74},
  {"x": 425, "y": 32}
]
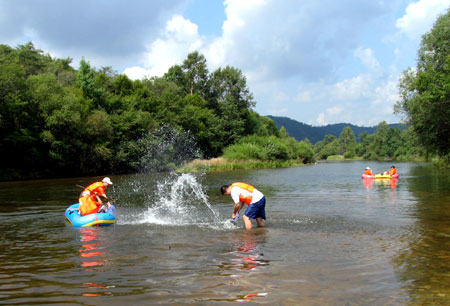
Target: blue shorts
[{"x": 257, "y": 210}]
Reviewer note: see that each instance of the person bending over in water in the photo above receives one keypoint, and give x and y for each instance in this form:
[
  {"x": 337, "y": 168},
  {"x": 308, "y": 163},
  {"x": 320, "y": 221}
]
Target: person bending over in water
[{"x": 243, "y": 193}]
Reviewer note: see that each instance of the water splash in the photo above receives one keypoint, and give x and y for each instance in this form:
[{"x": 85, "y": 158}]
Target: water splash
[
  {"x": 181, "y": 200},
  {"x": 165, "y": 149}
]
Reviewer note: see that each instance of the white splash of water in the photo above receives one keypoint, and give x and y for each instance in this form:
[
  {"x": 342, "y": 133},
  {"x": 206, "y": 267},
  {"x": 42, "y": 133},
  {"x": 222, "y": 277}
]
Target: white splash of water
[{"x": 181, "y": 200}]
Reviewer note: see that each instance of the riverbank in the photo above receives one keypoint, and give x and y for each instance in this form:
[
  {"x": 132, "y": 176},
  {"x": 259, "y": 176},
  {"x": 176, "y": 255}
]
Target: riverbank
[{"x": 222, "y": 164}]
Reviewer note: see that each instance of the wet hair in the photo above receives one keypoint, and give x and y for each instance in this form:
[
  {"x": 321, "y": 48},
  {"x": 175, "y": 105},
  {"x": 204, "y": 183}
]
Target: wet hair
[
  {"x": 224, "y": 188},
  {"x": 392, "y": 166}
]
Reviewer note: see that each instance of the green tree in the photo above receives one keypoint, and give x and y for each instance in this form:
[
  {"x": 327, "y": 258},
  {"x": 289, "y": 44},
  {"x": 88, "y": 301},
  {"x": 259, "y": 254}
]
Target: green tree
[
  {"x": 283, "y": 132},
  {"x": 425, "y": 91},
  {"x": 234, "y": 100},
  {"x": 32, "y": 59},
  {"x": 306, "y": 151},
  {"x": 261, "y": 125},
  {"x": 192, "y": 76},
  {"x": 347, "y": 140},
  {"x": 196, "y": 74},
  {"x": 201, "y": 121},
  {"x": 122, "y": 85},
  {"x": 85, "y": 80},
  {"x": 326, "y": 147}
]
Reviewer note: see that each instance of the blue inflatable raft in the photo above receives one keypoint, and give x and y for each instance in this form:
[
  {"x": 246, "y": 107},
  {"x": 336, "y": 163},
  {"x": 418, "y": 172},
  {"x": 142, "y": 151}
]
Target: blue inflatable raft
[{"x": 97, "y": 219}]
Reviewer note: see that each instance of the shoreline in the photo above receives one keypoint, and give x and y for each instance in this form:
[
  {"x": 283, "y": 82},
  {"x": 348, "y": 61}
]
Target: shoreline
[{"x": 222, "y": 164}]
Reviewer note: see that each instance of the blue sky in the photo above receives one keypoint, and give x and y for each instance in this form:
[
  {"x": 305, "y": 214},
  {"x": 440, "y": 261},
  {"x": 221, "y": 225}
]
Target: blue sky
[{"x": 315, "y": 61}]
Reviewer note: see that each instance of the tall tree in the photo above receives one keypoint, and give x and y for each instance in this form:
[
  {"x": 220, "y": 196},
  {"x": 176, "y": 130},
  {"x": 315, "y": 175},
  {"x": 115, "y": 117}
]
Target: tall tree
[
  {"x": 192, "y": 76},
  {"x": 85, "y": 79},
  {"x": 234, "y": 101},
  {"x": 425, "y": 91},
  {"x": 196, "y": 74},
  {"x": 346, "y": 139}
]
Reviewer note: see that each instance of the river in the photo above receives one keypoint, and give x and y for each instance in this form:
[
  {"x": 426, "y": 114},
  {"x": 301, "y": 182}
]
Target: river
[{"x": 331, "y": 239}]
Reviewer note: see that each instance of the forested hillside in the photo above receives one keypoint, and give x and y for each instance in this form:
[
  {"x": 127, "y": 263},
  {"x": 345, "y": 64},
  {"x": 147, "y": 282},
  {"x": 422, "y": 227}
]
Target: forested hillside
[{"x": 301, "y": 131}]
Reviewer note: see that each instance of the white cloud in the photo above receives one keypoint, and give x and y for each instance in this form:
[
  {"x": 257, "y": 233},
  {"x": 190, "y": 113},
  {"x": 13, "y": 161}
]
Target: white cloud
[
  {"x": 353, "y": 89},
  {"x": 106, "y": 33},
  {"x": 180, "y": 37},
  {"x": 385, "y": 96},
  {"x": 295, "y": 43},
  {"x": 367, "y": 57},
  {"x": 366, "y": 98},
  {"x": 321, "y": 119},
  {"x": 137, "y": 72},
  {"x": 331, "y": 113},
  {"x": 420, "y": 16},
  {"x": 304, "y": 96},
  {"x": 334, "y": 110}
]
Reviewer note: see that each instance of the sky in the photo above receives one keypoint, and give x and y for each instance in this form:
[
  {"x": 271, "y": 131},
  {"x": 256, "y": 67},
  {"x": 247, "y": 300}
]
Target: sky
[{"x": 315, "y": 61}]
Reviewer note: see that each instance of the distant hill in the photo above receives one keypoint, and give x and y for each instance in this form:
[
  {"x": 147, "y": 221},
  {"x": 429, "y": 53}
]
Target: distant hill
[{"x": 300, "y": 130}]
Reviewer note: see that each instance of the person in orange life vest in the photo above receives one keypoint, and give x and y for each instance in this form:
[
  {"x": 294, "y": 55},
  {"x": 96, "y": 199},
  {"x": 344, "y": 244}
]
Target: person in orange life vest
[
  {"x": 93, "y": 196},
  {"x": 368, "y": 171},
  {"x": 243, "y": 193},
  {"x": 391, "y": 171}
]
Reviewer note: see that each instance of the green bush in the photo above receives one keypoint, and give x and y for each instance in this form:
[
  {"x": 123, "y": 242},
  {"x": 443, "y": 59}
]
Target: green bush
[
  {"x": 270, "y": 148},
  {"x": 242, "y": 151}
]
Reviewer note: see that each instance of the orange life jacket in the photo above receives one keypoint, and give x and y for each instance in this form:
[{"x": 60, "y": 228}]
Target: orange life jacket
[
  {"x": 88, "y": 200},
  {"x": 244, "y": 199},
  {"x": 89, "y": 205},
  {"x": 368, "y": 172},
  {"x": 393, "y": 171},
  {"x": 95, "y": 187}
]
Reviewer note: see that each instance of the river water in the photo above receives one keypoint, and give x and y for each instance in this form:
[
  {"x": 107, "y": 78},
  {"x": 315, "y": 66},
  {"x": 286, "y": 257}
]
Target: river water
[{"x": 331, "y": 239}]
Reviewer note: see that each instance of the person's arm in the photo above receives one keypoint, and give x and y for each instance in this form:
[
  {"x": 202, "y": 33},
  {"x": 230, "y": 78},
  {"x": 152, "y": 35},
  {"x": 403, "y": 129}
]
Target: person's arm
[
  {"x": 237, "y": 208},
  {"x": 105, "y": 198},
  {"x": 101, "y": 194}
]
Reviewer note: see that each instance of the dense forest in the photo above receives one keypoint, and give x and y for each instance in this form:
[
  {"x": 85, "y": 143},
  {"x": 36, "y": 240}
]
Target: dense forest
[
  {"x": 385, "y": 144},
  {"x": 57, "y": 121}
]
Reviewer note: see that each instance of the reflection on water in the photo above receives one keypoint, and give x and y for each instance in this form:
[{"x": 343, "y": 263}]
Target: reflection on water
[
  {"x": 331, "y": 239},
  {"x": 424, "y": 264},
  {"x": 369, "y": 183},
  {"x": 245, "y": 262},
  {"x": 91, "y": 249},
  {"x": 246, "y": 255},
  {"x": 93, "y": 255},
  {"x": 248, "y": 259}
]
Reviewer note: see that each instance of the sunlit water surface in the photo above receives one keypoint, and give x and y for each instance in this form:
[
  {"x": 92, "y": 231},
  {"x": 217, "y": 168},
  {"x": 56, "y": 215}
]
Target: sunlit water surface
[{"x": 331, "y": 239}]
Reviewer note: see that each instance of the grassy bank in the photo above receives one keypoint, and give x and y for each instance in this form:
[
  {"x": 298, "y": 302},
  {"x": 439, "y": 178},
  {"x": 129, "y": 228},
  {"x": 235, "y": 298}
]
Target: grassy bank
[
  {"x": 412, "y": 159},
  {"x": 222, "y": 164}
]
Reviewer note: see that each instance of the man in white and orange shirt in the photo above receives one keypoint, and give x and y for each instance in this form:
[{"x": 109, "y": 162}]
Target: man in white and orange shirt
[{"x": 243, "y": 193}]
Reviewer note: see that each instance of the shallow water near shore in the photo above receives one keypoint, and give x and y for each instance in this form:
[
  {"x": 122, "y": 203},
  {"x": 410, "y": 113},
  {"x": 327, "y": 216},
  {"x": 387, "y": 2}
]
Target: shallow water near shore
[{"x": 331, "y": 239}]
